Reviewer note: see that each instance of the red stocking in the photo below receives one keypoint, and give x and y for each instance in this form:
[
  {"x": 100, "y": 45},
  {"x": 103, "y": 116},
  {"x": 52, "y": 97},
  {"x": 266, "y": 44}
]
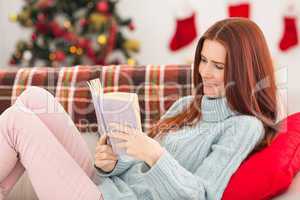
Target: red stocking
[
  {"x": 185, "y": 33},
  {"x": 290, "y": 35},
  {"x": 239, "y": 10}
]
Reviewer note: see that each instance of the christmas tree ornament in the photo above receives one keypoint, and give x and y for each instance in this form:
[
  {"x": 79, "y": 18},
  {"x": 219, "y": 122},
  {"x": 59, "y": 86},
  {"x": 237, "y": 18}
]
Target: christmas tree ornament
[
  {"x": 239, "y": 8},
  {"x": 27, "y": 55},
  {"x": 83, "y": 22},
  {"x": 67, "y": 24},
  {"x": 132, "y": 45},
  {"x": 59, "y": 56},
  {"x": 102, "y": 6},
  {"x": 73, "y": 49},
  {"x": 131, "y": 61},
  {"x": 28, "y": 23},
  {"x": 131, "y": 26},
  {"x": 12, "y": 61},
  {"x": 18, "y": 55},
  {"x": 79, "y": 51},
  {"x": 56, "y": 30},
  {"x": 42, "y": 4},
  {"x": 13, "y": 17},
  {"x": 41, "y": 17},
  {"x": 185, "y": 30},
  {"x": 97, "y": 20},
  {"x": 102, "y": 39},
  {"x": 33, "y": 36}
]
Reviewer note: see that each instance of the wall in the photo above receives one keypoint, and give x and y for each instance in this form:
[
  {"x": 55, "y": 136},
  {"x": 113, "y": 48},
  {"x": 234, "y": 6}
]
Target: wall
[{"x": 155, "y": 24}]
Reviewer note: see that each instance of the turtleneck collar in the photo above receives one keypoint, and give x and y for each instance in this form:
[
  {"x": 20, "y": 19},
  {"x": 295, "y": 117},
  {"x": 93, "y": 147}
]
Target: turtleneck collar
[{"x": 215, "y": 109}]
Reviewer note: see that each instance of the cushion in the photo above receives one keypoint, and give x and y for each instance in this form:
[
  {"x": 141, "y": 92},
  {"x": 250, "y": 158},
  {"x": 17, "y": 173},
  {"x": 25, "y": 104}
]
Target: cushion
[{"x": 269, "y": 172}]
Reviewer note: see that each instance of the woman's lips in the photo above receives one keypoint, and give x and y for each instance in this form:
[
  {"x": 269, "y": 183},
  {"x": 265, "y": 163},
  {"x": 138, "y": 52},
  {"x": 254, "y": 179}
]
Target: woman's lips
[{"x": 209, "y": 85}]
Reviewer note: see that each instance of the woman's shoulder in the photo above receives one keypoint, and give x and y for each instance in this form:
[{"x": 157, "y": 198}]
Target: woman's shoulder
[{"x": 247, "y": 121}]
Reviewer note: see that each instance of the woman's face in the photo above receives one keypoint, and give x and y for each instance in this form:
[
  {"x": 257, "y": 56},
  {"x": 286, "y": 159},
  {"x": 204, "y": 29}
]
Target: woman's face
[{"x": 211, "y": 68}]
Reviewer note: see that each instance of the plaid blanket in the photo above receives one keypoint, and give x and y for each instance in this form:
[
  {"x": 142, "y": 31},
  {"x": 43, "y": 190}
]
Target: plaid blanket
[{"x": 158, "y": 87}]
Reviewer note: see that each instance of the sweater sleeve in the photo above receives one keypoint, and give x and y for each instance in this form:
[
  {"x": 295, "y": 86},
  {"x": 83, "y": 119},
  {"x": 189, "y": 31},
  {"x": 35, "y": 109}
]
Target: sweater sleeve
[
  {"x": 169, "y": 180},
  {"x": 122, "y": 165}
]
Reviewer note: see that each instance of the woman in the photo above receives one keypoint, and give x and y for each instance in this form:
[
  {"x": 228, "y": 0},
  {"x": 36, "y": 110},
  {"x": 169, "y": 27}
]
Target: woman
[{"x": 191, "y": 153}]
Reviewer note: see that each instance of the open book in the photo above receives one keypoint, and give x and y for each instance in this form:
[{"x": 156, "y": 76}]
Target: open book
[{"x": 114, "y": 107}]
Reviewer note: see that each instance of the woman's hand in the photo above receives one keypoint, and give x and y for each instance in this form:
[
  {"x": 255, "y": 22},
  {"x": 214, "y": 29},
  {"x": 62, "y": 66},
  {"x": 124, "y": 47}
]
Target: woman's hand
[
  {"x": 137, "y": 144},
  {"x": 105, "y": 158}
]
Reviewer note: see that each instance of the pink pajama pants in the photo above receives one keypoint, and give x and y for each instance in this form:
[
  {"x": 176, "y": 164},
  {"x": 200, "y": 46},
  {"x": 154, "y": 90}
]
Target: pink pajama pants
[{"x": 37, "y": 135}]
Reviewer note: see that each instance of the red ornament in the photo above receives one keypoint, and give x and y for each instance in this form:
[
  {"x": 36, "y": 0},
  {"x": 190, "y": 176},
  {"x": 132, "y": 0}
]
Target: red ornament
[
  {"x": 41, "y": 17},
  {"x": 102, "y": 6},
  {"x": 33, "y": 36},
  {"x": 91, "y": 53},
  {"x": 131, "y": 26},
  {"x": 12, "y": 62},
  {"x": 83, "y": 22},
  {"x": 100, "y": 61},
  {"x": 56, "y": 29},
  {"x": 70, "y": 37},
  {"x": 83, "y": 43},
  {"x": 59, "y": 56},
  {"x": 45, "y": 3},
  {"x": 42, "y": 28}
]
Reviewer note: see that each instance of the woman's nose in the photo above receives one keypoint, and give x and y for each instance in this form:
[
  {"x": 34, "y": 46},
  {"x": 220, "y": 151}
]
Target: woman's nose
[{"x": 206, "y": 71}]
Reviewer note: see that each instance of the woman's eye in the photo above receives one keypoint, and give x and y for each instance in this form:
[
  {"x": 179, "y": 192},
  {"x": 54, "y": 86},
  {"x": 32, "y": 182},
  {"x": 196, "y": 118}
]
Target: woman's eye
[
  {"x": 203, "y": 60},
  {"x": 219, "y": 67}
]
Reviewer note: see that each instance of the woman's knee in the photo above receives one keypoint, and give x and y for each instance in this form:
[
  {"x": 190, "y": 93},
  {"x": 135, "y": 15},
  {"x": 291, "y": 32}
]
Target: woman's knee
[{"x": 35, "y": 97}]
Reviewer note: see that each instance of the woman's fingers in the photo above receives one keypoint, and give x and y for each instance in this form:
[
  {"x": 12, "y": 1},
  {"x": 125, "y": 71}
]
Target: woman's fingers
[
  {"x": 104, "y": 148},
  {"x": 103, "y": 139},
  {"x": 105, "y": 156},
  {"x": 105, "y": 163},
  {"x": 119, "y": 135}
]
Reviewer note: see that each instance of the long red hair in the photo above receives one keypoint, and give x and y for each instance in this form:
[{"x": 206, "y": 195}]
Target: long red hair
[{"x": 248, "y": 77}]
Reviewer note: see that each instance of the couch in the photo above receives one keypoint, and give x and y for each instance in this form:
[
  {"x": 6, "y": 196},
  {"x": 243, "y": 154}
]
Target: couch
[{"x": 157, "y": 87}]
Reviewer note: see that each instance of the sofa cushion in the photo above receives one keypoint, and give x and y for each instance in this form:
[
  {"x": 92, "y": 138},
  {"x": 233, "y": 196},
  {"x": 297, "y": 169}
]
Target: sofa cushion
[{"x": 269, "y": 172}]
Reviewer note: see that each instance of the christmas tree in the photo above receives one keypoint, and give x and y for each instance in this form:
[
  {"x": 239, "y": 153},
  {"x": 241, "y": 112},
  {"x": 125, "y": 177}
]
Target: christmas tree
[{"x": 68, "y": 32}]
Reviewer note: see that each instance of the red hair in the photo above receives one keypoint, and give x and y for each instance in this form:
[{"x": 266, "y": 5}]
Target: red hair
[{"x": 248, "y": 78}]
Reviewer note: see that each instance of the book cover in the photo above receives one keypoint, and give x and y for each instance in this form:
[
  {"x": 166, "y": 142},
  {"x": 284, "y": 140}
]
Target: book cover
[{"x": 114, "y": 107}]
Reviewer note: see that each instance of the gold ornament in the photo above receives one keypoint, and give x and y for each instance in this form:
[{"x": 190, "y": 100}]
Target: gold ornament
[
  {"x": 131, "y": 61},
  {"x": 79, "y": 51},
  {"x": 18, "y": 54},
  {"x": 73, "y": 49},
  {"x": 132, "y": 45},
  {"x": 28, "y": 23},
  {"x": 52, "y": 56},
  {"x": 67, "y": 24},
  {"x": 102, "y": 39},
  {"x": 24, "y": 15},
  {"x": 13, "y": 17},
  {"x": 97, "y": 20}
]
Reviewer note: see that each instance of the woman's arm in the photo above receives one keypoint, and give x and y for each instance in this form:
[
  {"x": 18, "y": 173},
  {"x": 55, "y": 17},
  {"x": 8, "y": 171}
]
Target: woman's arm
[{"x": 169, "y": 180}]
